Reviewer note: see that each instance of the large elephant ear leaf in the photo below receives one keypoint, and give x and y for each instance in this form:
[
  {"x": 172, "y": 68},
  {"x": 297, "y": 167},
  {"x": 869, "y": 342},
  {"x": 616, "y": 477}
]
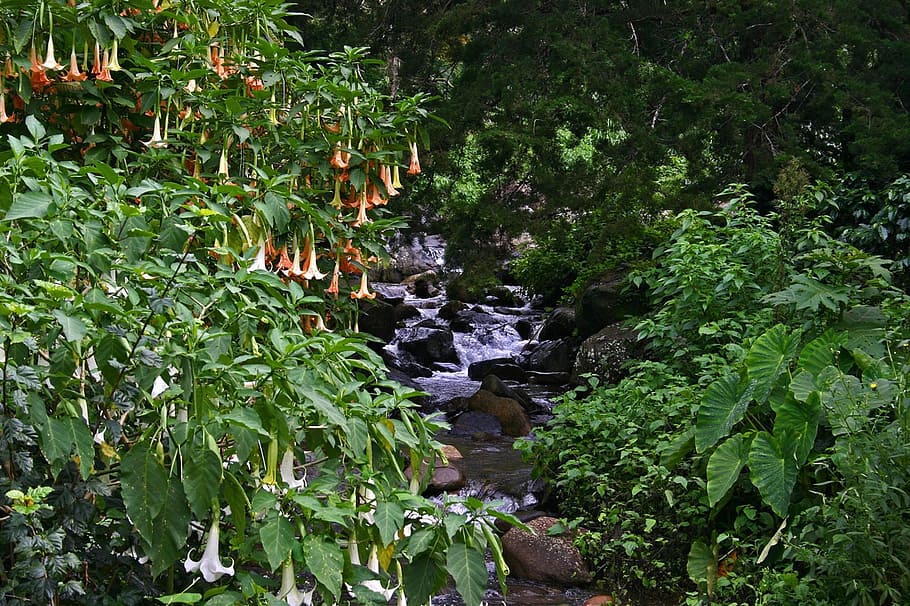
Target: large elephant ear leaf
[
  {"x": 799, "y": 419},
  {"x": 819, "y": 353},
  {"x": 769, "y": 357},
  {"x": 724, "y": 404},
  {"x": 725, "y": 465},
  {"x": 772, "y": 462}
]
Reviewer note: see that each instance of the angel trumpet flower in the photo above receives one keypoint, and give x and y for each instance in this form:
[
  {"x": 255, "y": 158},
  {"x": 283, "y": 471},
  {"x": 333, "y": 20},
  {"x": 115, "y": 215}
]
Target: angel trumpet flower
[
  {"x": 364, "y": 292},
  {"x": 3, "y": 115},
  {"x": 385, "y": 173},
  {"x": 362, "y": 218},
  {"x": 223, "y": 164},
  {"x": 338, "y": 158},
  {"x": 96, "y": 62},
  {"x": 288, "y": 590},
  {"x": 74, "y": 75},
  {"x": 105, "y": 75},
  {"x": 336, "y": 199},
  {"x": 286, "y": 470},
  {"x": 50, "y": 62},
  {"x": 396, "y": 179},
  {"x": 114, "y": 64},
  {"x": 414, "y": 166},
  {"x": 310, "y": 269},
  {"x": 209, "y": 565},
  {"x": 156, "y": 140},
  {"x": 8, "y": 70},
  {"x": 333, "y": 285},
  {"x": 259, "y": 260}
]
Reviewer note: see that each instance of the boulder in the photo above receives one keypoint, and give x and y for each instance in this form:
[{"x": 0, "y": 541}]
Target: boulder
[
  {"x": 447, "y": 476},
  {"x": 559, "y": 324},
  {"x": 540, "y": 557},
  {"x": 550, "y": 356},
  {"x": 377, "y": 318},
  {"x": 403, "y": 312},
  {"x": 474, "y": 423},
  {"x": 406, "y": 363},
  {"x": 606, "y": 302},
  {"x": 478, "y": 370},
  {"x": 428, "y": 345},
  {"x": 411, "y": 256},
  {"x": 450, "y": 309},
  {"x": 423, "y": 285},
  {"x": 605, "y": 353},
  {"x": 499, "y": 295},
  {"x": 513, "y": 417},
  {"x": 524, "y": 328},
  {"x": 598, "y": 600},
  {"x": 493, "y": 383},
  {"x": 504, "y": 368}
]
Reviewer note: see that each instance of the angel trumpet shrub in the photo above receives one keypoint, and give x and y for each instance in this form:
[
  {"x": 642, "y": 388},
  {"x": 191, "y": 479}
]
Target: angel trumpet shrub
[{"x": 209, "y": 565}]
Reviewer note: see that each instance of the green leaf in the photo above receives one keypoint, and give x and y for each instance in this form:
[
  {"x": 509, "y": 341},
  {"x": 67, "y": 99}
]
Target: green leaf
[
  {"x": 73, "y": 328},
  {"x": 423, "y": 577},
  {"x": 59, "y": 436},
  {"x": 769, "y": 357},
  {"x": 466, "y": 565},
  {"x": 171, "y": 528},
  {"x": 202, "y": 479},
  {"x": 35, "y": 128},
  {"x": 278, "y": 537},
  {"x": 237, "y": 500},
  {"x": 326, "y": 561},
  {"x": 702, "y": 565},
  {"x": 725, "y": 465},
  {"x": 28, "y": 205},
  {"x": 389, "y": 519},
  {"x": 673, "y": 452},
  {"x": 181, "y": 598},
  {"x": 820, "y": 351},
  {"x": 724, "y": 404},
  {"x": 773, "y": 469},
  {"x": 144, "y": 486},
  {"x": 247, "y": 418},
  {"x": 799, "y": 419},
  {"x": 275, "y": 211},
  {"x": 805, "y": 292}
]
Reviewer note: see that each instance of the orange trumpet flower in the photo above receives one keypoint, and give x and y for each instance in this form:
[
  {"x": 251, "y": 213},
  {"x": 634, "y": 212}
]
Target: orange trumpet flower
[
  {"x": 363, "y": 292},
  {"x": 74, "y": 75},
  {"x": 3, "y": 115},
  {"x": 414, "y": 167}
]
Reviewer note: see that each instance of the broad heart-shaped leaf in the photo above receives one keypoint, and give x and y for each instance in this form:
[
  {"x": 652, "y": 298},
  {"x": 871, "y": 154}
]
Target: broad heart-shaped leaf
[
  {"x": 820, "y": 351},
  {"x": 143, "y": 484},
  {"x": 73, "y": 328},
  {"x": 59, "y": 436},
  {"x": 171, "y": 526},
  {"x": 423, "y": 577},
  {"x": 389, "y": 518},
  {"x": 725, "y": 465},
  {"x": 326, "y": 561},
  {"x": 768, "y": 358},
  {"x": 28, "y": 205},
  {"x": 773, "y": 467},
  {"x": 702, "y": 565},
  {"x": 800, "y": 420},
  {"x": 467, "y": 567},
  {"x": 723, "y": 405},
  {"x": 277, "y": 536},
  {"x": 202, "y": 470}
]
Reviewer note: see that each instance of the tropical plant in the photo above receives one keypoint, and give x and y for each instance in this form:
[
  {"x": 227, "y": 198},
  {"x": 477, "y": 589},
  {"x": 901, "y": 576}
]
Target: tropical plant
[{"x": 188, "y": 214}]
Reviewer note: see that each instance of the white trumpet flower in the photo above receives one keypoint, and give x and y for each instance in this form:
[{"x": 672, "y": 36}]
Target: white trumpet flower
[{"x": 209, "y": 565}]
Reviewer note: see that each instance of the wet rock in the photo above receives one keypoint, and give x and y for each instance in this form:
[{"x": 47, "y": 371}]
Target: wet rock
[
  {"x": 428, "y": 345},
  {"x": 504, "y": 368},
  {"x": 508, "y": 311},
  {"x": 377, "y": 318},
  {"x": 473, "y": 423},
  {"x": 550, "y": 356},
  {"x": 450, "y": 309},
  {"x": 500, "y": 295},
  {"x": 548, "y": 378},
  {"x": 559, "y": 324},
  {"x": 412, "y": 256},
  {"x": 598, "y": 600},
  {"x": 423, "y": 285},
  {"x": 513, "y": 417},
  {"x": 606, "y": 302},
  {"x": 447, "y": 473},
  {"x": 461, "y": 324},
  {"x": 524, "y": 328},
  {"x": 494, "y": 384},
  {"x": 544, "y": 558},
  {"x": 605, "y": 353},
  {"x": 407, "y": 364},
  {"x": 405, "y": 312}
]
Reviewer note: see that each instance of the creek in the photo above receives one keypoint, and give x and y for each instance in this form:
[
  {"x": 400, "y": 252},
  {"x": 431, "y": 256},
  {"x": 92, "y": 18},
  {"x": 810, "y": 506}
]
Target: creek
[{"x": 494, "y": 470}]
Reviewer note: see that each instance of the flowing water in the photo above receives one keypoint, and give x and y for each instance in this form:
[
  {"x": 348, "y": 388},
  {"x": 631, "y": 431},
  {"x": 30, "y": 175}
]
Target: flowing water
[{"x": 495, "y": 471}]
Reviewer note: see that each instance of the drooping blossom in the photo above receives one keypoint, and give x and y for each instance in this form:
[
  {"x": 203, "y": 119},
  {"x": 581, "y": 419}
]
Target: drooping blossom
[
  {"x": 96, "y": 61},
  {"x": 209, "y": 565},
  {"x": 50, "y": 61},
  {"x": 114, "y": 64},
  {"x": 259, "y": 259},
  {"x": 336, "y": 199},
  {"x": 414, "y": 166},
  {"x": 339, "y": 158},
  {"x": 396, "y": 178},
  {"x": 284, "y": 261},
  {"x": 105, "y": 75},
  {"x": 74, "y": 75},
  {"x": 385, "y": 173},
  {"x": 333, "y": 284},
  {"x": 8, "y": 70},
  {"x": 3, "y": 115},
  {"x": 223, "y": 164},
  {"x": 363, "y": 292},
  {"x": 156, "y": 140},
  {"x": 289, "y": 591},
  {"x": 362, "y": 218},
  {"x": 286, "y": 471}
]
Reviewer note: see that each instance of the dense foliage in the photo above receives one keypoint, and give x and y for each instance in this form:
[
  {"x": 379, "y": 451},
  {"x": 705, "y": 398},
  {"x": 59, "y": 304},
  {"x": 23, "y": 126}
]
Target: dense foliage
[
  {"x": 188, "y": 211},
  {"x": 764, "y": 457}
]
